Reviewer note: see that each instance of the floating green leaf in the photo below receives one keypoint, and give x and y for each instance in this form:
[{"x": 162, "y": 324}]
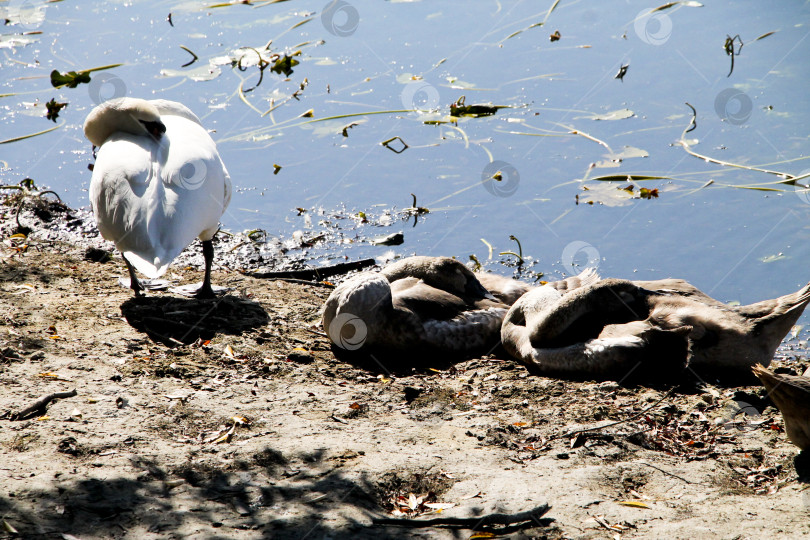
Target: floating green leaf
[
  {"x": 284, "y": 65},
  {"x": 71, "y": 79}
]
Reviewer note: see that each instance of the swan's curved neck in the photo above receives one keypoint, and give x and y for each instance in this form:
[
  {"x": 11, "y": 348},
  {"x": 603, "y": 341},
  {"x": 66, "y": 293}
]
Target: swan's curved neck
[{"x": 128, "y": 115}]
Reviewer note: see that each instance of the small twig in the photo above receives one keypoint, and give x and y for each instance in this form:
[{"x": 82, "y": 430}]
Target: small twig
[
  {"x": 669, "y": 392},
  {"x": 468, "y": 523},
  {"x": 316, "y": 273},
  {"x": 591, "y": 138},
  {"x": 669, "y": 473},
  {"x": 189, "y": 51},
  {"x": 39, "y": 406},
  {"x": 302, "y": 281}
]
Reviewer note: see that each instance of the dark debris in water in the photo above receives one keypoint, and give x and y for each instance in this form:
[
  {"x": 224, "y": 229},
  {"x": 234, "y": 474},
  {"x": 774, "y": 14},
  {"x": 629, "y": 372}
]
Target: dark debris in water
[
  {"x": 460, "y": 108},
  {"x": 54, "y": 107}
]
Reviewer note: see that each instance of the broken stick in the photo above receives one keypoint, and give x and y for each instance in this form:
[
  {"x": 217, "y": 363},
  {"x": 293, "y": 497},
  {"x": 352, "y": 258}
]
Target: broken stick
[
  {"x": 40, "y": 405},
  {"x": 468, "y": 523},
  {"x": 311, "y": 274}
]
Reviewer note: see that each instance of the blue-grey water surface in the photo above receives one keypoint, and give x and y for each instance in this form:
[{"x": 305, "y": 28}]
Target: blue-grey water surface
[{"x": 363, "y": 57}]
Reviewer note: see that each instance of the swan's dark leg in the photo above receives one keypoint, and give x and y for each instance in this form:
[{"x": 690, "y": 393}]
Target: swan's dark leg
[
  {"x": 205, "y": 291},
  {"x": 134, "y": 284}
]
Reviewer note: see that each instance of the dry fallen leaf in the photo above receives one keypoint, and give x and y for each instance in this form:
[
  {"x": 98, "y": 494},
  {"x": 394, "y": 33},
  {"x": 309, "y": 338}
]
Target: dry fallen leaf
[
  {"x": 634, "y": 504},
  {"x": 440, "y": 506},
  {"x": 52, "y": 375}
]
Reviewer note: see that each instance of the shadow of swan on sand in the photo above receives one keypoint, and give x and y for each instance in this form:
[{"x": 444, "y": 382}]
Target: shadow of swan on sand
[{"x": 174, "y": 321}]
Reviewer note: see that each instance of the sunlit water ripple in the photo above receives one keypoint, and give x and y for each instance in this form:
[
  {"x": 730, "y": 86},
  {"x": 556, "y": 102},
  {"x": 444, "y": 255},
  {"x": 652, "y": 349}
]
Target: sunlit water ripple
[{"x": 365, "y": 57}]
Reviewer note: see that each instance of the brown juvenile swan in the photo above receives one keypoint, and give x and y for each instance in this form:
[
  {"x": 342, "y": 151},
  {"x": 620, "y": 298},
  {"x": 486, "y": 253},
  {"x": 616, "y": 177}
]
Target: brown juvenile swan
[
  {"x": 428, "y": 304},
  {"x": 607, "y": 329},
  {"x": 791, "y": 394}
]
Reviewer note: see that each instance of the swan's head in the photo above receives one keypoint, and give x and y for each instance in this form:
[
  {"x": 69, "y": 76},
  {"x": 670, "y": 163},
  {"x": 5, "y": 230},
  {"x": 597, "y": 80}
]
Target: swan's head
[
  {"x": 130, "y": 115},
  {"x": 441, "y": 272}
]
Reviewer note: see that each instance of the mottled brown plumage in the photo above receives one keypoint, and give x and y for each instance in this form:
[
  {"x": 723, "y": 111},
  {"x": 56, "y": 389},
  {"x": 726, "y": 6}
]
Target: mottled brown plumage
[
  {"x": 791, "y": 394},
  {"x": 434, "y": 305},
  {"x": 614, "y": 326}
]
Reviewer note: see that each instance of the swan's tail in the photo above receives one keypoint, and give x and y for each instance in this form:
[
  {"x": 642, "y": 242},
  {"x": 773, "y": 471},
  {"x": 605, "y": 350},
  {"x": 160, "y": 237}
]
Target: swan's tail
[{"x": 151, "y": 269}]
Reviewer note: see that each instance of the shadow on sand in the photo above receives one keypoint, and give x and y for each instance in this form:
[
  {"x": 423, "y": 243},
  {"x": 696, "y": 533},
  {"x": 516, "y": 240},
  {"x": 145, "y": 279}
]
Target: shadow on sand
[
  {"x": 265, "y": 496},
  {"x": 174, "y": 321}
]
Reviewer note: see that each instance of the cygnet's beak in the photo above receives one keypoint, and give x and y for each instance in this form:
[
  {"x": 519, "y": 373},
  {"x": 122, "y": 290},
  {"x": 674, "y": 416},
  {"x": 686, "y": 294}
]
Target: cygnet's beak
[{"x": 474, "y": 288}]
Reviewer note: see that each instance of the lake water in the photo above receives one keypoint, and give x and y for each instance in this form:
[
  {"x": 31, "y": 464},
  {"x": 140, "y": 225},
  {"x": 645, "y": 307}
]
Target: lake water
[{"x": 392, "y": 69}]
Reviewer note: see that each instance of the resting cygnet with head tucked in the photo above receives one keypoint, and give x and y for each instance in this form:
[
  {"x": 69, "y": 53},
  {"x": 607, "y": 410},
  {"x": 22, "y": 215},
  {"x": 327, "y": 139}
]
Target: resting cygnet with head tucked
[
  {"x": 433, "y": 305},
  {"x": 615, "y": 327}
]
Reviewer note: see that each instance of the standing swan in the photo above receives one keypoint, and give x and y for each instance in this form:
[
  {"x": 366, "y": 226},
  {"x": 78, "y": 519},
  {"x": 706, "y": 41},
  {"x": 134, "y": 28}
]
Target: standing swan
[{"x": 158, "y": 183}]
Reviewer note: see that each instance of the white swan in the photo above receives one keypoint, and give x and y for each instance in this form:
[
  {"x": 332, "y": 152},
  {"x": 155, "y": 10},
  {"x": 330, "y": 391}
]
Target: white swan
[{"x": 158, "y": 183}]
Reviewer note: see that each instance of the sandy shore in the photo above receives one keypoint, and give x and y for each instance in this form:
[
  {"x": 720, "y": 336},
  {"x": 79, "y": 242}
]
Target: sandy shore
[{"x": 233, "y": 419}]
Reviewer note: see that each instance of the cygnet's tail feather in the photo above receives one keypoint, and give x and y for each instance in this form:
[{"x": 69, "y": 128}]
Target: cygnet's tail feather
[
  {"x": 585, "y": 278},
  {"x": 799, "y": 298},
  {"x": 785, "y": 390},
  {"x": 773, "y": 319}
]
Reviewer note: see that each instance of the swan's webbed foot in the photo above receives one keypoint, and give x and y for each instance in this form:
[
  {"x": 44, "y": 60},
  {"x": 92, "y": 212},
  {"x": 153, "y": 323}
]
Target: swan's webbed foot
[{"x": 205, "y": 292}]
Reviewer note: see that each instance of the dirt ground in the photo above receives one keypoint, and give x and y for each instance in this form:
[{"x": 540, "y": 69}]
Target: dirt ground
[{"x": 234, "y": 419}]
